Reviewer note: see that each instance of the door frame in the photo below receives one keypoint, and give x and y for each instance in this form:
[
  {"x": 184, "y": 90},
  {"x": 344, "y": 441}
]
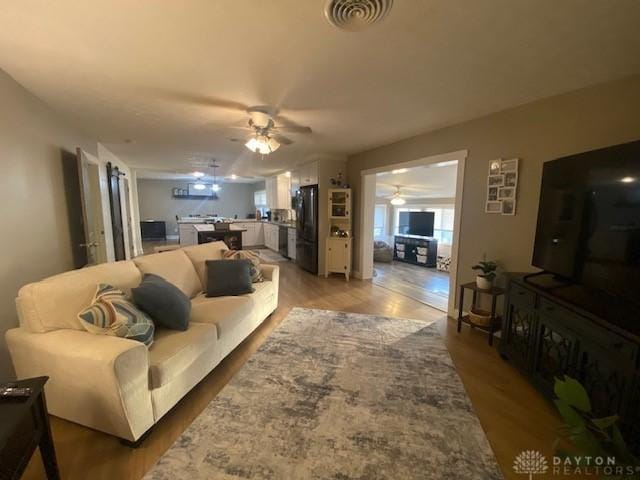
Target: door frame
[{"x": 367, "y": 203}]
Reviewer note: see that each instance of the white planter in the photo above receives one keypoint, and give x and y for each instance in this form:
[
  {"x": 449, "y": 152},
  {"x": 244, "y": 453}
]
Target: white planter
[{"x": 483, "y": 283}]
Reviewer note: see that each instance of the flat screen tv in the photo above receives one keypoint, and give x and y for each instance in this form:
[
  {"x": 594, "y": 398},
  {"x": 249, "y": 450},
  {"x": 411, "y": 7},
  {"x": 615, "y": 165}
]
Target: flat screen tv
[
  {"x": 588, "y": 230},
  {"x": 417, "y": 223}
]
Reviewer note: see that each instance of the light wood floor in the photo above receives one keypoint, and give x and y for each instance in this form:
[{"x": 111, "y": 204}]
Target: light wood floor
[
  {"x": 427, "y": 285},
  {"x": 514, "y": 416}
]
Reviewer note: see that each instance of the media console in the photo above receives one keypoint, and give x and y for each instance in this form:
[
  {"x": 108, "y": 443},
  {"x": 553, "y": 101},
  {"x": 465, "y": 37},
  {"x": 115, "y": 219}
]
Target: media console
[
  {"x": 416, "y": 249},
  {"x": 546, "y": 337}
]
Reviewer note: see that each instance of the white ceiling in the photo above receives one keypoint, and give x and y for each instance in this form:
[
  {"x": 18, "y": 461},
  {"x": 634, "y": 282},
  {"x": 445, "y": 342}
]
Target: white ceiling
[
  {"x": 431, "y": 181},
  {"x": 145, "y": 70}
]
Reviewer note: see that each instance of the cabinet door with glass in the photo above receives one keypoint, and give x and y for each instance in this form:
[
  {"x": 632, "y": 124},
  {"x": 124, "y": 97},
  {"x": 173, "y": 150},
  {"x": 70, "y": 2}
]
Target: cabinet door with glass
[{"x": 340, "y": 203}]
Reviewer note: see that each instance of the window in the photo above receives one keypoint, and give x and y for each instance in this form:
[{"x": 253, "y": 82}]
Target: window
[
  {"x": 260, "y": 198},
  {"x": 380, "y": 221},
  {"x": 442, "y": 222}
]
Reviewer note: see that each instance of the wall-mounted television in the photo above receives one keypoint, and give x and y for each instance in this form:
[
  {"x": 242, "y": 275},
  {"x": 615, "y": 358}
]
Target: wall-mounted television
[
  {"x": 416, "y": 223},
  {"x": 588, "y": 230}
]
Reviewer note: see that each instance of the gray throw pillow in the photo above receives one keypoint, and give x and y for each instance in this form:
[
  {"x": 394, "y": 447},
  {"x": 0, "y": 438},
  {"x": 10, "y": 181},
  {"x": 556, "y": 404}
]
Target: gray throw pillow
[
  {"x": 165, "y": 303},
  {"x": 228, "y": 277}
]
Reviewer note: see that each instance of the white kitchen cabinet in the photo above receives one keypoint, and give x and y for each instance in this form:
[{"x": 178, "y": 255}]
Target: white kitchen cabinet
[
  {"x": 308, "y": 174},
  {"x": 271, "y": 233},
  {"x": 278, "y": 192},
  {"x": 259, "y": 233},
  {"x": 188, "y": 234},
  {"x": 291, "y": 243}
]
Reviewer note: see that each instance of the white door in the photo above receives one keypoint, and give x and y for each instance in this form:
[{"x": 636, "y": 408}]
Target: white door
[
  {"x": 92, "y": 213},
  {"x": 126, "y": 218}
]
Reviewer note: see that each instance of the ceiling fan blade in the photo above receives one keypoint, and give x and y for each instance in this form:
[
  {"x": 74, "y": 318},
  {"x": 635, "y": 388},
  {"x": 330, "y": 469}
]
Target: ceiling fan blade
[
  {"x": 282, "y": 139},
  {"x": 285, "y": 124},
  {"x": 294, "y": 129},
  {"x": 202, "y": 100}
]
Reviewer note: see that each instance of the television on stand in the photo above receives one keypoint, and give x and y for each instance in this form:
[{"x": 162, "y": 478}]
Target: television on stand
[
  {"x": 588, "y": 230},
  {"x": 417, "y": 223}
]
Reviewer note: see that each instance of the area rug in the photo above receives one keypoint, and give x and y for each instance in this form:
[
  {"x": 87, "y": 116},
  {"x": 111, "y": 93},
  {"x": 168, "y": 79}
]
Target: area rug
[
  {"x": 270, "y": 257},
  {"x": 334, "y": 395}
]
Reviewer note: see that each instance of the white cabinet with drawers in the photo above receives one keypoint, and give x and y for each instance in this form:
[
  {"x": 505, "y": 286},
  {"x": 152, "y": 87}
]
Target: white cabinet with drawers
[{"x": 291, "y": 243}]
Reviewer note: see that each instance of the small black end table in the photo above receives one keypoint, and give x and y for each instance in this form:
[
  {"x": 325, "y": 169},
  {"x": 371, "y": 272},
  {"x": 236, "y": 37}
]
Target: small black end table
[
  {"x": 495, "y": 321},
  {"x": 24, "y": 425}
]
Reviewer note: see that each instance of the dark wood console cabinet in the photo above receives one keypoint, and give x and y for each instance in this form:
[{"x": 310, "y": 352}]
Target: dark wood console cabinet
[
  {"x": 546, "y": 337},
  {"x": 415, "y": 249}
]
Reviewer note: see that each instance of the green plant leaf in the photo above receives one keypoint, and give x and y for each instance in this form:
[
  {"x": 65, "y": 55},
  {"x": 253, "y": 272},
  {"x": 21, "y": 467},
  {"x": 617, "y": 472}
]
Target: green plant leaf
[
  {"x": 572, "y": 393},
  {"x": 605, "y": 422},
  {"x": 571, "y": 418}
]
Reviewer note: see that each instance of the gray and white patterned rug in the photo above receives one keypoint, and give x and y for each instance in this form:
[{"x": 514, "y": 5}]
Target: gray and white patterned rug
[{"x": 334, "y": 395}]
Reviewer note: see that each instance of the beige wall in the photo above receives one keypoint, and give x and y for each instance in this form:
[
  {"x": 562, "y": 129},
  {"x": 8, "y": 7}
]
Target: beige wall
[
  {"x": 156, "y": 202},
  {"x": 35, "y": 240},
  {"x": 579, "y": 121}
]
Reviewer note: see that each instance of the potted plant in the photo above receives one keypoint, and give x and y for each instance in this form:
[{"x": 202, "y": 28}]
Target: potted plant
[{"x": 485, "y": 279}]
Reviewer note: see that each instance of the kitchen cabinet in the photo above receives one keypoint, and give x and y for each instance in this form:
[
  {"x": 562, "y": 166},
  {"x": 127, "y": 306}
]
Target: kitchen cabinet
[
  {"x": 188, "y": 235},
  {"x": 291, "y": 243},
  {"x": 306, "y": 174},
  {"x": 254, "y": 233},
  {"x": 278, "y": 192},
  {"x": 271, "y": 236}
]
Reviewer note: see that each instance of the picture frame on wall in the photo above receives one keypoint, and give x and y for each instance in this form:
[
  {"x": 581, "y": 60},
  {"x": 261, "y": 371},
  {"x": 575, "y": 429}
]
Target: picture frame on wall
[
  {"x": 509, "y": 206},
  {"x": 496, "y": 180},
  {"x": 492, "y": 194},
  {"x": 493, "y": 207},
  {"x": 511, "y": 179},
  {"x": 494, "y": 167},
  {"x": 506, "y": 192},
  {"x": 510, "y": 165}
]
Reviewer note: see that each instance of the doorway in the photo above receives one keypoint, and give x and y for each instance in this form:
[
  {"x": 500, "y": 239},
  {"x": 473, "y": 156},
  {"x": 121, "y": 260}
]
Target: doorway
[
  {"x": 410, "y": 225},
  {"x": 92, "y": 212}
]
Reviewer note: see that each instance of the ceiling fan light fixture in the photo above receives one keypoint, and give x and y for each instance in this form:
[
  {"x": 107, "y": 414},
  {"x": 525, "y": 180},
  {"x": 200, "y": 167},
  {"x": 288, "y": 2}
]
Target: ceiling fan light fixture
[
  {"x": 397, "y": 198},
  {"x": 199, "y": 186},
  {"x": 262, "y": 144},
  {"x": 215, "y": 187}
]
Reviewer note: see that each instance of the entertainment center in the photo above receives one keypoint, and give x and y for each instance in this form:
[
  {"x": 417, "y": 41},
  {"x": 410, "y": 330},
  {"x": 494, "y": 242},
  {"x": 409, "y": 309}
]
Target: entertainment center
[
  {"x": 580, "y": 316},
  {"x": 415, "y": 243}
]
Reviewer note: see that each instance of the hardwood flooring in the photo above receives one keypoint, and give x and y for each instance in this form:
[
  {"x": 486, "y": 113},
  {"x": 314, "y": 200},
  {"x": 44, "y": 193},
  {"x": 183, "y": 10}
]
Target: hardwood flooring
[
  {"x": 427, "y": 285},
  {"x": 514, "y": 416}
]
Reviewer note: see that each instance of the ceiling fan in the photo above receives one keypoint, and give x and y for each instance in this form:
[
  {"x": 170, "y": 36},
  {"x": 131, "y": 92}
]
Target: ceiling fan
[
  {"x": 397, "y": 199},
  {"x": 266, "y": 128}
]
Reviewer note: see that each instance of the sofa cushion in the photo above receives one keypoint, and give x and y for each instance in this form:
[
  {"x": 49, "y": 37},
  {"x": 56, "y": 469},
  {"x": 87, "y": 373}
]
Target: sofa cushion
[
  {"x": 165, "y": 302},
  {"x": 174, "y": 351},
  {"x": 228, "y": 277},
  {"x": 175, "y": 267},
  {"x": 111, "y": 313},
  {"x": 54, "y": 302},
  {"x": 256, "y": 274},
  {"x": 198, "y": 254},
  {"x": 223, "y": 312}
]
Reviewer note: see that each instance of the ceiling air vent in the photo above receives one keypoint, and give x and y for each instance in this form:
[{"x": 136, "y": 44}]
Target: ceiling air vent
[{"x": 356, "y": 15}]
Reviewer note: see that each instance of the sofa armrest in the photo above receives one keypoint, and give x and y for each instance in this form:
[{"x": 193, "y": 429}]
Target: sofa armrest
[
  {"x": 271, "y": 273},
  {"x": 96, "y": 380}
]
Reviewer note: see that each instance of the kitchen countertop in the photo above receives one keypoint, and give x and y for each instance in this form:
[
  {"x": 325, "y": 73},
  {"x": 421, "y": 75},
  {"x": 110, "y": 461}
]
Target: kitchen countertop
[{"x": 196, "y": 221}]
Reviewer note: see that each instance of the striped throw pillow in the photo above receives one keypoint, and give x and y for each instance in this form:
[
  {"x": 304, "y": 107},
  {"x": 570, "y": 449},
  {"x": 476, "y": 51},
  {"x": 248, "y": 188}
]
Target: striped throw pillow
[
  {"x": 256, "y": 274},
  {"x": 111, "y": 313}
]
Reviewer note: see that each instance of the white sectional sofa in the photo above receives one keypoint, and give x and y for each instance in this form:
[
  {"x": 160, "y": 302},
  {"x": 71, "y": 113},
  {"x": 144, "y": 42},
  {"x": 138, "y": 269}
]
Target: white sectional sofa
[{"x": 120, "y": 386}]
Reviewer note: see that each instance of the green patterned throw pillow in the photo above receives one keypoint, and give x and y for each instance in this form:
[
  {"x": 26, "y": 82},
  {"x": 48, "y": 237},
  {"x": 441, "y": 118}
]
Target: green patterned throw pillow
[
  {"x": 111, "y": 313},
  {"x": 256, "y": 274}
]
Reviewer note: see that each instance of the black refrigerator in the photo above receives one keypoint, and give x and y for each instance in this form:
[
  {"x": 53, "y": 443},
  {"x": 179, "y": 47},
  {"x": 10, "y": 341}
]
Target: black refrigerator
[{"x": 307, "y": 228}]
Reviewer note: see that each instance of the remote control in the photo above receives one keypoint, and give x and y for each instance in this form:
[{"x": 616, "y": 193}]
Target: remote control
[{"x": 14, "y": 392}]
